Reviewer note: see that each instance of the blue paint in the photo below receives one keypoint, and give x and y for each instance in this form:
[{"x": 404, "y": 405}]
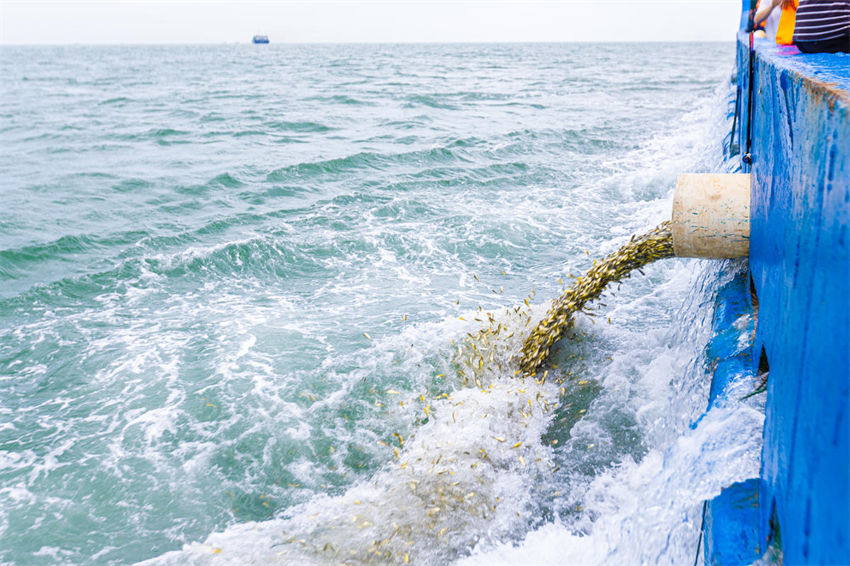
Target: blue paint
[
  {"x": 729, "y": 355},
  {"x": 732, "y": 301},
  {"x": 731, "y": 519},
  {"x": 800, "y": 266}
]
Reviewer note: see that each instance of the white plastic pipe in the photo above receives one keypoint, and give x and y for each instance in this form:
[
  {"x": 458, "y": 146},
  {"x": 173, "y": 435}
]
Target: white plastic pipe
[{"x": 711, "y": 215}]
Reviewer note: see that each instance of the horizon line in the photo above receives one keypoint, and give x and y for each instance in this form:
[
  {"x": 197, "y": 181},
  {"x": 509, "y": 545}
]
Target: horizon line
[{"x": 458, "y": 42}]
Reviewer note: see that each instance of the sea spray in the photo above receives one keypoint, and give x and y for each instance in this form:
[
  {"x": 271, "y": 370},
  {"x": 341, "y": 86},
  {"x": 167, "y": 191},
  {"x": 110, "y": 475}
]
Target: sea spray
[
  {"x": 445, "y": 493},
  {"x": 465, "y": 476},
  {"x": 638, "y": 252}
]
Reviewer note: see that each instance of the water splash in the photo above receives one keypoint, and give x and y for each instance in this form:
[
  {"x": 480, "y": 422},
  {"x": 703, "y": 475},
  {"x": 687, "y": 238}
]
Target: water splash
[
  {"x": 443, "y": 493},
  {"x": 446, "y": 493}
]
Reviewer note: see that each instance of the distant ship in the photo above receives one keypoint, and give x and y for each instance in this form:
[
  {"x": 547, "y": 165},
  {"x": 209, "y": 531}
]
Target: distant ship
[{"x": 261, "y": 39}]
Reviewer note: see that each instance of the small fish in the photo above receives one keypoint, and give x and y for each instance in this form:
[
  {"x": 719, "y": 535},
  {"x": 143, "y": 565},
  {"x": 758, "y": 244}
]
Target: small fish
[{"x": 366, "y": 334}]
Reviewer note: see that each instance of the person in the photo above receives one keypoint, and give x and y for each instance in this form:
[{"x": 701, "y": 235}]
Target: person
[
  {"x": 760, "y": 29},
  {"x": 785, "y": 30},
  {"x": 823, "y": 26}
]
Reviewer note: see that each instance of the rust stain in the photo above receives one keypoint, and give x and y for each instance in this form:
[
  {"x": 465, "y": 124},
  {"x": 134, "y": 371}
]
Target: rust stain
[
  {"x": 819, "y": 90},
  {"x": 829, "y": 92}
]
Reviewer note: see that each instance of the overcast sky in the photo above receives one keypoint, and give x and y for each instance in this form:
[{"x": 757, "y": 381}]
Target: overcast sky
[{"x": 183, "y": 21}]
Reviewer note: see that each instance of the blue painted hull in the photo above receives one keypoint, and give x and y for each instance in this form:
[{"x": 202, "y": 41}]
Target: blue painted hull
[{"x": 799, "y": 265}]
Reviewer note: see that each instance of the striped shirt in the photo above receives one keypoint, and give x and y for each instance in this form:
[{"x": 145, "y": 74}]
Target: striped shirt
[{"x": 821, "y": 20}]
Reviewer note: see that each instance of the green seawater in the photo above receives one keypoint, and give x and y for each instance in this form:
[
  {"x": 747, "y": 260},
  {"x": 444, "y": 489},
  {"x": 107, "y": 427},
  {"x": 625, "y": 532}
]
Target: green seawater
[{"x": 196, "y": 241}]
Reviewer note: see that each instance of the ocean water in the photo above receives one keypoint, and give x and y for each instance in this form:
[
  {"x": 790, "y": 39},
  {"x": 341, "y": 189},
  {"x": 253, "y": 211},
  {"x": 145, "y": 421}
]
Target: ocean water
[{"x": 233, "y": 280}]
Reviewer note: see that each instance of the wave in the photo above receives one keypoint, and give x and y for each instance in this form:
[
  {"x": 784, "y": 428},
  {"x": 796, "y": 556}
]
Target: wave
[
  {"x": 118, "y": 100},
  {"x": 341, "y": 99},
  {"x": 429, "y": 101},
  {"x": 269, "y": 255},
  {"x": 247, "y": 133},
  {"x": 165, "y": 132},
  {"x": 365, "y": 160},
  {"x": 14, "y": 261},
  {"x": 300, "y": 127},
  {"x": 226, "y": 180},
  {"x": 132, "y": 185},
  {"x": 213, "y": 117}
]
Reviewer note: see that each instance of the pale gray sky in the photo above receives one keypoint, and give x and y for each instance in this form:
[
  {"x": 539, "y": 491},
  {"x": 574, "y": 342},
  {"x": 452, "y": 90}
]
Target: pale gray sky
[{"x": 184, "y": 21}]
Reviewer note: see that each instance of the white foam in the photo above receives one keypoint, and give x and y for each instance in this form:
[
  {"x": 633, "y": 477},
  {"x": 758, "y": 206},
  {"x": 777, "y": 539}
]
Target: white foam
[
  {"x": 420, "y": 505},
  {"x": 647, "y": 513},
  {"x": 467, "y": 474}
]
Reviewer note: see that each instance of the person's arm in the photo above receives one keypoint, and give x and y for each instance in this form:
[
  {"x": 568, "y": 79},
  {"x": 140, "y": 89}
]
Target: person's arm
[{"x": 765, "y": 11}]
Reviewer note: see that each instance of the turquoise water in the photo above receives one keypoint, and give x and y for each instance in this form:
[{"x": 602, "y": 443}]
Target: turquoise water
[{"x": 231, "y": 278}]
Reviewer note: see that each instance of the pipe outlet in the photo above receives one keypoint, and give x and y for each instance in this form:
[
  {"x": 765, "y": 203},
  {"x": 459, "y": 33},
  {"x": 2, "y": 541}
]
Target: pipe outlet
[{"x": 711, "y": 215}]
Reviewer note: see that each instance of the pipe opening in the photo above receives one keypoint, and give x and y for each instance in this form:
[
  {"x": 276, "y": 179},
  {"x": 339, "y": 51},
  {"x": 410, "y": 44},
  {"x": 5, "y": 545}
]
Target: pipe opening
[{"x": 711, "y": 215}]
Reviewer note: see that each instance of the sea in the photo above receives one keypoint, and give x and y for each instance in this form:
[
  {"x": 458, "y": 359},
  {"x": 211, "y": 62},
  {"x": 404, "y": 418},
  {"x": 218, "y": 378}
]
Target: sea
[{"x": 234, "y": 280}]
